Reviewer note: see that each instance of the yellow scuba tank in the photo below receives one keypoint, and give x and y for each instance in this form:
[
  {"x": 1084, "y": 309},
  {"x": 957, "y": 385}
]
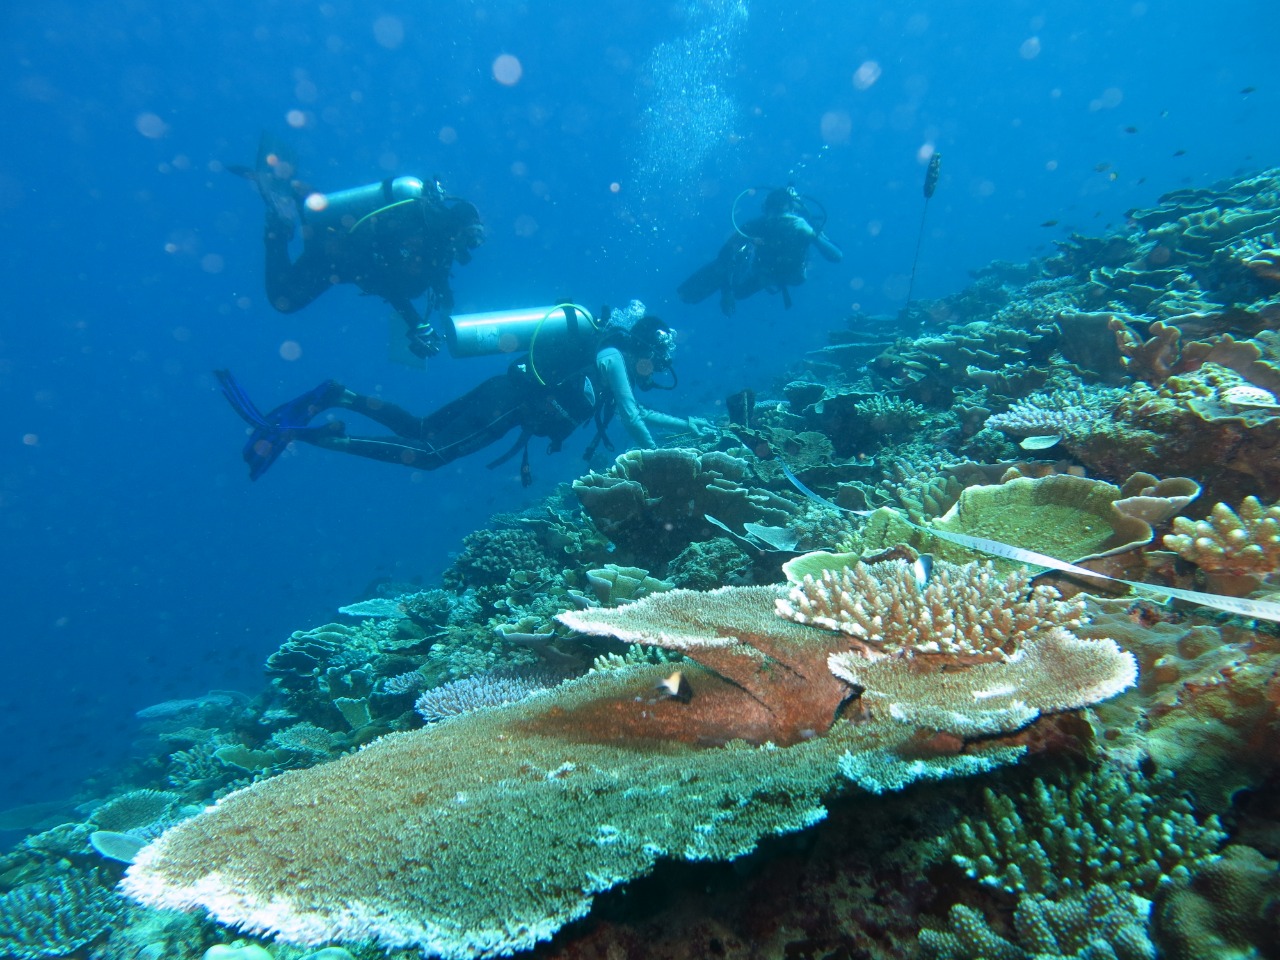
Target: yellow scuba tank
[
  {"x": 540, "y": 330},
  {"x": 347, "y": 209}
]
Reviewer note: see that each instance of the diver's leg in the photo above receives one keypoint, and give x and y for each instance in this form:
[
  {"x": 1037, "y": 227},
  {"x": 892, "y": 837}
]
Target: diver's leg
[
  {"x": 387, "y": 449},
  {"x": 292, "y": 285},
  {"x": 475, "y": 420},
  {"x": 396, "y": 419},
  {"x": 461, "y": 427}
]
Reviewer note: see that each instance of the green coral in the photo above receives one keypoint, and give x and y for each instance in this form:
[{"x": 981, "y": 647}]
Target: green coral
[
  {"x": 613, "y": 584},
  {"x": 1098, "y": 924},
  {"x": 489, "y": 558},
  {"x": 1113, "y": 827},
  {"x": 707, "y": 564}
]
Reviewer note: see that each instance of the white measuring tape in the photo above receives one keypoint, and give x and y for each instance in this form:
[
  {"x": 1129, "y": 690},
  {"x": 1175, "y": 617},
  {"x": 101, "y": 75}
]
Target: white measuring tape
[{"x": 1259, "y": 609}]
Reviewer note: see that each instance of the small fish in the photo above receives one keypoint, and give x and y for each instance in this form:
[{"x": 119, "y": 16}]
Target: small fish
[
  {"x": 922, "y": 570},
  {"x": 1049, "y": 223},
  {"x": 1179, "y": 153},
  {"x": 676, "y": 687},
  {"x": 1164, "y": 113},
  {"x": 1130, "y": 129},
  {"x": 1248, "y": 90},
  {"x": 1102, "y": 167}
]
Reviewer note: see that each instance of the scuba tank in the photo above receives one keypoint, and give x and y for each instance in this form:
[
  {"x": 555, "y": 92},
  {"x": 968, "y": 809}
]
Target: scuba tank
[
  {"x": 539, "y": 330},
  {"x": 347, "y": 209}
]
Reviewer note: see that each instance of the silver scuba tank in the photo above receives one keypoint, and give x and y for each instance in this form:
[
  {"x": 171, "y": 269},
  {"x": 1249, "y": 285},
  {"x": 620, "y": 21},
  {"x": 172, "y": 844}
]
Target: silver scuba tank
[
  {"x": 510, "y": 331},
  {"x": 343, "y": 209}
]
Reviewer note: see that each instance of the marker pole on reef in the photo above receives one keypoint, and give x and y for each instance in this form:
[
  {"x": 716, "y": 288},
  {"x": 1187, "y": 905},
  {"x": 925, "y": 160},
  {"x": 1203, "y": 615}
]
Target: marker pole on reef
[{"x": 930, "y": 185}]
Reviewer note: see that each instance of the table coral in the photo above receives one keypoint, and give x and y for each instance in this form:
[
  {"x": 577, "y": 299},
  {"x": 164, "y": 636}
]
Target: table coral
[{"x": 485, "y": 833}]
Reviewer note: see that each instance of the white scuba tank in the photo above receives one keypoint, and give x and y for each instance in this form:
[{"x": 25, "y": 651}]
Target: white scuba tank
[
  {"x": 512, "y": 331},
  {"x": 343, "y": 209}
]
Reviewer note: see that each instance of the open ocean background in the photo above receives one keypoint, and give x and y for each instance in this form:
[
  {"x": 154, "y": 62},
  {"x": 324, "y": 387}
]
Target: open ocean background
[{"x": 141, "y": 565}]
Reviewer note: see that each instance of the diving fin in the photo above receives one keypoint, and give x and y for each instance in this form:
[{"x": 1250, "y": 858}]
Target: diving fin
[
  {"x": 273, "y": 176},
  {"x": 274, "y": 431}
]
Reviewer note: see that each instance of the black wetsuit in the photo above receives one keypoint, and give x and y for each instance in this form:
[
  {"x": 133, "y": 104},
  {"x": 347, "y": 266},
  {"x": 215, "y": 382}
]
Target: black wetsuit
[
  {"x": 398, "y": 255},
  {"x": 553, "y": 407},
  {"x": 770, "y": 253}
]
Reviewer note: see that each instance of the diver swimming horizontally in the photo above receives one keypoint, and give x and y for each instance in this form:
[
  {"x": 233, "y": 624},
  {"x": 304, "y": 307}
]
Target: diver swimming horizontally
[
  {"x": 548, "y": 392},
  {"x": 769, "y": 252},
  {"x": 397, "y": 239}
]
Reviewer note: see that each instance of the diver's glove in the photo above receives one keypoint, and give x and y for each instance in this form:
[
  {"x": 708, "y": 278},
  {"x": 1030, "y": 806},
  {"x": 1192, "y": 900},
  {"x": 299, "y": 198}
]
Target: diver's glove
[{"x": 424, "y": 341}]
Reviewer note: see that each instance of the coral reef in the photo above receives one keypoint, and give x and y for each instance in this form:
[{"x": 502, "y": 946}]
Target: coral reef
[
  {"x": 1039, "y": 407},
  {"x": 409, "y": 857}
]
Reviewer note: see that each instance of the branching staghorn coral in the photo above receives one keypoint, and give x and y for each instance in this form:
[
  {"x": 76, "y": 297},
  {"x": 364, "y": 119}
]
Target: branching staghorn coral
[
  {"x": 1101, "y": 923},
  {"x": 969, "y": 610},
  {"x": 56, "y": 916},
  {"x": 1239, "y": 543},
  {"x": 1113, "y": 827},
  {"x": 1060, "y": 412}
]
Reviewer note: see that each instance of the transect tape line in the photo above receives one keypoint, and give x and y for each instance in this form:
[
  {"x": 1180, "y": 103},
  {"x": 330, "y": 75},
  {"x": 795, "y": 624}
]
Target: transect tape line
[{"x": 1259, "y": 609}]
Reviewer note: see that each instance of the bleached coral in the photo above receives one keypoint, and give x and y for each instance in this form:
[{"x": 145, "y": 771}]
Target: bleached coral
[
  {"x": 970, "y": 609},
  {"x": 1244, "y": 542}
]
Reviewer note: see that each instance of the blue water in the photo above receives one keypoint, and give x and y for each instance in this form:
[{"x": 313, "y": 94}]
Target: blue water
[{"x": 142, "y": 565}]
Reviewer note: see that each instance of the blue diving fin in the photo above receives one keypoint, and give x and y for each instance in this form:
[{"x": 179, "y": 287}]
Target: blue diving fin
[{"x": 274, "y": 431}]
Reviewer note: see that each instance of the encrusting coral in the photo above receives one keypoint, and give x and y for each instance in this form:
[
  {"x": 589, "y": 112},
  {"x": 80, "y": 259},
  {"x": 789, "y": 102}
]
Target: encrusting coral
[{"x": 1226, "y": 908}]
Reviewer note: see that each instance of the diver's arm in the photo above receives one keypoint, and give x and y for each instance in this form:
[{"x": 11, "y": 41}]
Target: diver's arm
[
  {"x": 819, "y": 239},
  {"x": 635, "y": 417},
  {"x": 829, "y": 250},
  {"x": 613, "y": 366},
  {"x": 408, "y": 312}
]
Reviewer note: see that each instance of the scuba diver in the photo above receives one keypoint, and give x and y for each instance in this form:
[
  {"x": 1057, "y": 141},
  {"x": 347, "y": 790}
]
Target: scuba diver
[
  {"x": 769, "y": 252},
  {"x": 548, "y": 392},
  {"x": 397, "y": 239}
]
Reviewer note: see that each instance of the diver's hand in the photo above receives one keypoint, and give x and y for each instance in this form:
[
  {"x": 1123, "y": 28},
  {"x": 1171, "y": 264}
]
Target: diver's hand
[
  {"x": 802, "y": 225},
  {"x": 424, "y": 341},
  {"x": 702, "y": 427}
]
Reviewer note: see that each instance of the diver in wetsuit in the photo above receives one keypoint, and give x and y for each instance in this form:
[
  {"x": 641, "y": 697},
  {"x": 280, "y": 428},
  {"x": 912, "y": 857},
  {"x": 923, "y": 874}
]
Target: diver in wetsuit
[
  {"x": 770, "y": 252},
  {"x": 550, "y": 398},
  {"x": 397, "y": 239}
]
